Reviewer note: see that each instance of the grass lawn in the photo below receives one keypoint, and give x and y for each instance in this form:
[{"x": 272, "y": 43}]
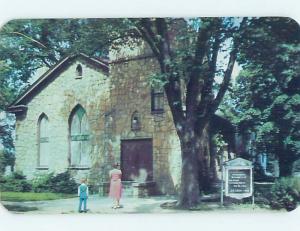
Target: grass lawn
[{"x": 31, "y": 196}]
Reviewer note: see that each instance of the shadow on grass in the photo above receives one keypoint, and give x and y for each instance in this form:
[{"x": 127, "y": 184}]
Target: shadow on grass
[{"x": 19, "y": 208}]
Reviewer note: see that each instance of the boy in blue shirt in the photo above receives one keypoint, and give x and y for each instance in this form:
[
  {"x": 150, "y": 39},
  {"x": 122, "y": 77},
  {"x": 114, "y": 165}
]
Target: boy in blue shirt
[{"x": 83, "y": 193}]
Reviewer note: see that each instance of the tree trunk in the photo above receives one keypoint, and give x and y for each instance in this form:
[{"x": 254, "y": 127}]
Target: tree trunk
[
  {"x": 189, "y": 189},
  {"x": 285, "y": 166},
  {"x": 195, "y": 175},
  {"x": 204, "y": 174},
  {"x": 213, "y": 156},
  {"x": 285, "y": 160},
  {"x": 205, "y": 168},
  {"x": 195, "y": 168}
]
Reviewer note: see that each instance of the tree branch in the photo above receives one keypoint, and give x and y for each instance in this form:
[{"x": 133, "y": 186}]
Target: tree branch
[
  {"x": 208, "y": 108},
  {"x": 207, "y": 91},
  {"x": 228, "y": 72},
  {"x": 43, "y": 58},
  {"x": 29, "y": 38},
  {"x": 212, "y": 65},
  {"x": 226, "y": 80},
  {"x": 195, "y": 83},
  {"x": 173, "y": 86},
  {"x": 144, "y": 34},
  {"x": 163, "y": 39}
]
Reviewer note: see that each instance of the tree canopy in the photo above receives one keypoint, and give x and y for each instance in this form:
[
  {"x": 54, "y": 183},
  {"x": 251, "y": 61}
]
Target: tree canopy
[
  {"x": 27, "y": 45},
  {"x": 195, "y": 78},
  {"x": 266, "y": 97}
]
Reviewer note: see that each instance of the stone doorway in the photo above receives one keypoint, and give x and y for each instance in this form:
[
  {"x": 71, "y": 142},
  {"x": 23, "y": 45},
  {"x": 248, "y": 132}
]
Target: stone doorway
[{"x": 137, "y": 160}]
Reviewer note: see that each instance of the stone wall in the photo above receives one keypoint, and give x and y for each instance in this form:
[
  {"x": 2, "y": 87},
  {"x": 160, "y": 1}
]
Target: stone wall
[
  {"x": 57, "y": 100},
  {"x": 130, "y": 92},
  {"x": 109, "y": 102}
]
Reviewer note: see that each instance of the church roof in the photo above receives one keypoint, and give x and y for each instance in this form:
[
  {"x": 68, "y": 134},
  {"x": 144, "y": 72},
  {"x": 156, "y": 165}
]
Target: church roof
[
  {"x": 223, "y": 126},
  {"x": 19, "y": 104}
]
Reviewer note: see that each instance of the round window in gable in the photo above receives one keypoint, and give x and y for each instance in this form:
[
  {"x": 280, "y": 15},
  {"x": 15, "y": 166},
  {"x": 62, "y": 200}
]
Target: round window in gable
[{"x": 79, "y": 71}]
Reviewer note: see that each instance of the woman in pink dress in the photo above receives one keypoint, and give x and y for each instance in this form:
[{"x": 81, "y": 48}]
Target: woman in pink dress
[{"x": 115, "y": 189}]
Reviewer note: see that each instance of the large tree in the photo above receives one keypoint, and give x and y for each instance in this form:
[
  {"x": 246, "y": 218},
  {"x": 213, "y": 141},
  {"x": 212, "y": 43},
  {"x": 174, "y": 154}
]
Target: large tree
[
  {"x": 195, "y": 79},
  {"x": 266, "y": 99}
]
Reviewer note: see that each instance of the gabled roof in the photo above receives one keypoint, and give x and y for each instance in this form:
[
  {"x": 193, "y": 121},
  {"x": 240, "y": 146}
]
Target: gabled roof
[
  {"x": 238, "y": 162},
  {"x": 221, "y": 125},
  {"x": 19, "y": 104}
]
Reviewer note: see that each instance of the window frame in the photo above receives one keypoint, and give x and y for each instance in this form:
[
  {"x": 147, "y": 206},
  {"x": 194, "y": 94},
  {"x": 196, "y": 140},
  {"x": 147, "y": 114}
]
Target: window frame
[
  {"x": 79, "y": 71},
  {"x": 157, "y": 94},
  {"x": 79, "y": 137},
  {"x": 41, "y": 140},
  {"x": 137, "y": 126}
]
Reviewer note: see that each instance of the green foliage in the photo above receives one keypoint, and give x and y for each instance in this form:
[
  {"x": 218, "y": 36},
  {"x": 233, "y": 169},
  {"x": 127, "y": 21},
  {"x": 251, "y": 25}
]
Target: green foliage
[
  {"x": 286, "y": 113},
  {"x": 41, "y": 183},
  {"x": 29, "y": 44},
  {"x": 285, "y": 193},
  {"x": 7, "y": 92},
  {"x": 158, "y": 80},
  {"x": 219, "y": 143},
  {"x": 60, "y": 183},
  {"x": 265, "y": 98},
  {"x": 6, "y": 140},
  {"x": 15, "y": 182},
  {"x": 266, "y": 136}
]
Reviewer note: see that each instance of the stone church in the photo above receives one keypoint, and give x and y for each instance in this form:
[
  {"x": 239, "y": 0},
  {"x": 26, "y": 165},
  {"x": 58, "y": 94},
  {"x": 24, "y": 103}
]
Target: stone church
[{"x": 84, "y": 114}]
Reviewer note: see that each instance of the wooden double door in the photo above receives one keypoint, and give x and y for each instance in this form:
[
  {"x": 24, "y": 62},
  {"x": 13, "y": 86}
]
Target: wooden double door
[{"x": 137, "y": 160}]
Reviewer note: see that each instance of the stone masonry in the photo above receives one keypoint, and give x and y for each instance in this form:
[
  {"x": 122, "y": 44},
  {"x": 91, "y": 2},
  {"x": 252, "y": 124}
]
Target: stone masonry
[{"x": 109, "y": 100}]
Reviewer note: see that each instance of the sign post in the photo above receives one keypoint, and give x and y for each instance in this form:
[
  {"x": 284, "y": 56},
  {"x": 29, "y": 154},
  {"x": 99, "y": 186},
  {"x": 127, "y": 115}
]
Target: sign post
[
  {"x": 239, "y": 178},
  {"x": 222, "y": 181}
]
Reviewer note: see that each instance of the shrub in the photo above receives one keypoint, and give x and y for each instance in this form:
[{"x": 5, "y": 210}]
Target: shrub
[
  {"x": 41, "y": 183},
  {"x": 60, "y": 183},
  {"x": 63, "y": 183},
  {"x": 15, "y": 182},
  {"x": 285, "y": 193}
]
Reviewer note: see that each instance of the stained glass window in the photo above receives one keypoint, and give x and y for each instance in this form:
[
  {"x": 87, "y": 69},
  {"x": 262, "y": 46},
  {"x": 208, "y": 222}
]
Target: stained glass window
[
  {"x": 80, "y": 138},
  {"x": 43, "y": 139}
]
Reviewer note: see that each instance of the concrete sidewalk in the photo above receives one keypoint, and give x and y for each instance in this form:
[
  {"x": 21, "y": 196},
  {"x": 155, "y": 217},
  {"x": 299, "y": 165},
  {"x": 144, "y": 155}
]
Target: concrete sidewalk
[
  {"x": 95, "y": 204},
  {"x": 103, "y": 205}
]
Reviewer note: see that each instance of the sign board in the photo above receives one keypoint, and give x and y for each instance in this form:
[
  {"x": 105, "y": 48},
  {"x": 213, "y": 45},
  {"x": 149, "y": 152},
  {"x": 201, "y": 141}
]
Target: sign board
[{"x": 238, "y": 178}]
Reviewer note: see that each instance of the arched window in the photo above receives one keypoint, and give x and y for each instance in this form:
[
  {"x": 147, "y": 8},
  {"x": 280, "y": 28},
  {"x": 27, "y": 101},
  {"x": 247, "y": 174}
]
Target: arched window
[
  {"x": 78, "y": 71},
  {"x": 43, "y": 141},
  {"x": 79, "y": 138},
  {"x": 135, "y": 121}
]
